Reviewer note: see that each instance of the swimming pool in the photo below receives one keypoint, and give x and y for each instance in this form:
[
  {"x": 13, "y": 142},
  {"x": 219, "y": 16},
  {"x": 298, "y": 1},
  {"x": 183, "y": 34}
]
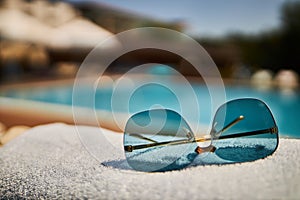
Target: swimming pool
[{"x": 285, "y": 107}]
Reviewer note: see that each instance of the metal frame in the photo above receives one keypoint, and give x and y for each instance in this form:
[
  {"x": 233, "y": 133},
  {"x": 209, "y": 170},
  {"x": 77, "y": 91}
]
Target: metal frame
[{"x": 130, "y": 148}]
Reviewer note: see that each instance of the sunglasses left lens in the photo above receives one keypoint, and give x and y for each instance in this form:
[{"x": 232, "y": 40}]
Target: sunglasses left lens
[{"x": 158, "y": 140}]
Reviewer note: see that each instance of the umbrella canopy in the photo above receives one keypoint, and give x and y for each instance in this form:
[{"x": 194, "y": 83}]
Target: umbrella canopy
[
  {"x": 77, "y": 32},
  {"x": 17, "y": 25}
]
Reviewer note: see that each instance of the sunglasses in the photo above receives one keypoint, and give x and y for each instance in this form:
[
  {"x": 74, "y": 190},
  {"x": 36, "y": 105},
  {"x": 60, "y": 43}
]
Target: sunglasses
[{"x": 161, "y": 140}]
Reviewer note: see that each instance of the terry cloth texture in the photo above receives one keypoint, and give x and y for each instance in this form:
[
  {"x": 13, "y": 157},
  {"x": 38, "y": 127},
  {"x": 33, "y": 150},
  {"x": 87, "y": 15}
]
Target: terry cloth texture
[{"x": 51, "y": 162}]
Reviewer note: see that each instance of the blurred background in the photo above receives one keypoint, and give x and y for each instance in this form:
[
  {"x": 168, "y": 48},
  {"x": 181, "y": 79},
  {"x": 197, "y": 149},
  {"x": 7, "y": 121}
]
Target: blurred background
[
  {"x": 42, "y": 39},
  {"x": 253, "y": 43}
]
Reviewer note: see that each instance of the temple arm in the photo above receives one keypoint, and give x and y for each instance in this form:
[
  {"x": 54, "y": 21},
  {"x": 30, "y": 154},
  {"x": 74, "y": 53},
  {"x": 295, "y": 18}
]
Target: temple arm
[
  {"x": 250, "y": 133},
  {"x": 142, "y": 137},
  {"x": 238, "y": 119}
]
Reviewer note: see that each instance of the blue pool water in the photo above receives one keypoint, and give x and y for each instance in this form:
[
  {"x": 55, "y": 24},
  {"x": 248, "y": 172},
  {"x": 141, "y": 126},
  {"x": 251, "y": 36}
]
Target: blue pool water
[{"x": 285, "y": 107}]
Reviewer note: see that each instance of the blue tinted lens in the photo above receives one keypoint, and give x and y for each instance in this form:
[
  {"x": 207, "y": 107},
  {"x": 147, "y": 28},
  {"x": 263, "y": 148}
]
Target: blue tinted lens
[
  {"x": 250, "y": 131},
  {"x": 152, "y": 131}
]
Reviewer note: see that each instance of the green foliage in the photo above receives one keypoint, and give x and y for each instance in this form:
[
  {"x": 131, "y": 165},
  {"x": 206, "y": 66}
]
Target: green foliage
[
  {"x": 279, "y": 48},
  {"x": 275, "y": 49}
]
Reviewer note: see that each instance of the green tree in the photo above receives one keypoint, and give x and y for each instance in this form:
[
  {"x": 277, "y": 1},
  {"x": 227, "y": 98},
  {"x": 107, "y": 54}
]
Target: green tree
[{"x": 290, "y": 41}]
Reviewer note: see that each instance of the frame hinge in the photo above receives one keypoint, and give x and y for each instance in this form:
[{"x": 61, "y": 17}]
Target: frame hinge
[{"x": 274, "y": 130}]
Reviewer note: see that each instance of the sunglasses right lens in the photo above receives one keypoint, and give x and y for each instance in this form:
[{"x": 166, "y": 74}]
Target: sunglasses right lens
[
  {"x": 158, "y": 140},
  {"x": 244, "y": 130}
]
